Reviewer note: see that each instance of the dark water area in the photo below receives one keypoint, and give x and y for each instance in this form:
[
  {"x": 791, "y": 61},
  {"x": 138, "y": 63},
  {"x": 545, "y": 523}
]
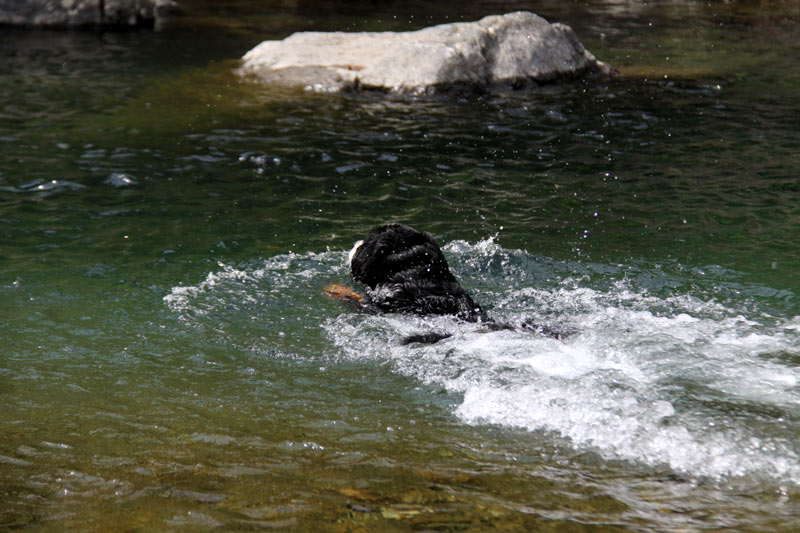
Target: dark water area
[{"x": 167, "y": 360}]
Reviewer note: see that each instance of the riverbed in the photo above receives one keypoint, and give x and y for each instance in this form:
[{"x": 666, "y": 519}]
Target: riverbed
[{"x": 167, "y": 358}]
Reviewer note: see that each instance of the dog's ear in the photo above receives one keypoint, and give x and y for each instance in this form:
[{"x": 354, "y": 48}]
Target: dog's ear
[
  {"x": 353, "y": 251},
  {"x": 364, "y": 261}
]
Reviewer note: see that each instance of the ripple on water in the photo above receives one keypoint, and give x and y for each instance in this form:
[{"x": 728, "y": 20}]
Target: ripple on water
[{"x": 44, "y": 187}]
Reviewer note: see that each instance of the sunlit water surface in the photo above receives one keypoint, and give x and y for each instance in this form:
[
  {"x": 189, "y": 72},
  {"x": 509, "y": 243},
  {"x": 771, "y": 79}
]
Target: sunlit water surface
[{"x": 168, "y": 361}]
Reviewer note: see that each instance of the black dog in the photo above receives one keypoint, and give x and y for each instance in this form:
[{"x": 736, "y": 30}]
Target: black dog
[{"x": 405, "y": 271}]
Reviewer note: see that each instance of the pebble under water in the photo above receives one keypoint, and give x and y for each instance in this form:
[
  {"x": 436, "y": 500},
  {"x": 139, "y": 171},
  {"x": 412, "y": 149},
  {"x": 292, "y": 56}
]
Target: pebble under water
[{"x": 168, "y": 360}]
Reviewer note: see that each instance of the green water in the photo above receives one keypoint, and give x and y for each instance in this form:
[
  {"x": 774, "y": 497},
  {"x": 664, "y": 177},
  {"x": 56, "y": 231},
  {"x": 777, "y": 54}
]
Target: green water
[{"x": 167, "y": 361}]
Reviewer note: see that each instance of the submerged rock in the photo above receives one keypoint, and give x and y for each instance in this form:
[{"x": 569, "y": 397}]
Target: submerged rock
[
  {"x": 78, "y": 13},
  {"x": 500, "y": 50}
]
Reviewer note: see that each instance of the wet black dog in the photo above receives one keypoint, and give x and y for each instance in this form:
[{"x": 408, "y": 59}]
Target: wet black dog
[{"x": 405, "y": 271}]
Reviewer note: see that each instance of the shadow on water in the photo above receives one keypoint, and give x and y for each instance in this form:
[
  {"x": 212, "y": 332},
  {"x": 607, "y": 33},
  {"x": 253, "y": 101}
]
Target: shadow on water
[{"x": 165, "y": 227}]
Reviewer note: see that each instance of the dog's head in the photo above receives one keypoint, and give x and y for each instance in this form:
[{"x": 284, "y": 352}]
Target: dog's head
[
  {"x": 406, "y": 272},
  {"x": 397, "y": 254}
]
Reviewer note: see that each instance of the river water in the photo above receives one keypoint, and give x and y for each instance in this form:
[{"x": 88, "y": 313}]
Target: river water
[{"x": 167, "y": 360}]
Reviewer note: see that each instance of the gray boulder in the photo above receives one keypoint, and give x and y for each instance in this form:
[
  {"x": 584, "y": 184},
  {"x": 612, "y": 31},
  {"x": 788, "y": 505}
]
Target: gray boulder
[
  {"x": 500, "y": 50},
  {"x": 79, "y": 13}
]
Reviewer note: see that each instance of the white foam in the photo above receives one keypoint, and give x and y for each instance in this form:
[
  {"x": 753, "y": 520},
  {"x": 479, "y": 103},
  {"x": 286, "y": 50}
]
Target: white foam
[
  {"x": 669, "y": 381},
  {"x": 698, "y": 382}
]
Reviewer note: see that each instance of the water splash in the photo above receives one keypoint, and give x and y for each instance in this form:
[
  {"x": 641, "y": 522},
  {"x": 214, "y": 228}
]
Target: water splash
[
  {"x": 252, "y": 283},
  {"x": 657, "y": 374},
  {"x": 703, "y": 388}
]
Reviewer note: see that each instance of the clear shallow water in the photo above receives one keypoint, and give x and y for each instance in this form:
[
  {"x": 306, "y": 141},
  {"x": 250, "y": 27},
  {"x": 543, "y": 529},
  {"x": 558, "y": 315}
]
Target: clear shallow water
[{"x": 168, "y": 360}]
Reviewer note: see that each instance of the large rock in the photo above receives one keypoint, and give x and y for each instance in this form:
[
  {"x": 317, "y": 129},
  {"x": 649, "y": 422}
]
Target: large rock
[
  {"x": 499, "y": 50},
  {"x": 78, "y": 13}
]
